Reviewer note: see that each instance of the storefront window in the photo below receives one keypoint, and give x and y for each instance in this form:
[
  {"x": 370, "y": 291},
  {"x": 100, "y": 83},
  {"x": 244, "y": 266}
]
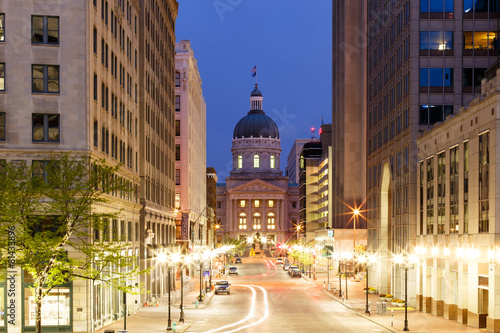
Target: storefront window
[{"x": 55, "y": 307}]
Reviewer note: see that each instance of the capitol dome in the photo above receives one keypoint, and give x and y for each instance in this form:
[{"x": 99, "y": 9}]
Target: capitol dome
[{"x": 256, "y": 124}]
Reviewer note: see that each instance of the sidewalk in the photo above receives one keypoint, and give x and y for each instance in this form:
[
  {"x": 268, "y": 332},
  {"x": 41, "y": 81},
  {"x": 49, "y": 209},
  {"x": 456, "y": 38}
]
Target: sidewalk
[
  {"x": 394, "y": 320},
  {"x": 155, "y": 319}
]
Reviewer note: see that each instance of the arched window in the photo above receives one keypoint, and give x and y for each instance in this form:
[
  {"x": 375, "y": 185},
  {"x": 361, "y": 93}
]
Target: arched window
[
  {"x": 243, "y": 221},
  {"x": 256, "y": 221},
  {"x": 270, "y": 221},
  {"x": 177, "y": 79},
  {"x": 256, "y": 161},
  {"x": 240, "y": 161},
  {"x": 273, "y": 162}
]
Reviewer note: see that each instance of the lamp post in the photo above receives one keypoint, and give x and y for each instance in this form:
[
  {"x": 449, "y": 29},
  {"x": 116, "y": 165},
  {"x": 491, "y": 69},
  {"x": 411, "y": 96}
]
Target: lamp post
[
  {"x": 181, "y": 319},
  {"x": 162, "y": 258},
  {"x": 355, "y": 214},
  {"x": 367, "y": 260},
  {"x": 406, "y": 262},
  {"x": 200, "y": 297}
]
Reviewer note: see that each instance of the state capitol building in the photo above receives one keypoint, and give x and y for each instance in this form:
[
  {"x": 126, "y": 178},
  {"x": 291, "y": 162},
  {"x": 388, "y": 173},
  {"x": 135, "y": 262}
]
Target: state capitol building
[{"x": 257, "y": 204}]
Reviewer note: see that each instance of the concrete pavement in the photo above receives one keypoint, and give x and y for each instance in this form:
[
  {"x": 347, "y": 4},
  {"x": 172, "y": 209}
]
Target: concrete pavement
[{"x": 393, "y": 321}]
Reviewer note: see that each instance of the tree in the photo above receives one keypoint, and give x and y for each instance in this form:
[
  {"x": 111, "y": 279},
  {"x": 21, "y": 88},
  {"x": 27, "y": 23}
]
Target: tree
[
  {"x": 56, "y": 234},
  {"x": 238, "y": 245}
]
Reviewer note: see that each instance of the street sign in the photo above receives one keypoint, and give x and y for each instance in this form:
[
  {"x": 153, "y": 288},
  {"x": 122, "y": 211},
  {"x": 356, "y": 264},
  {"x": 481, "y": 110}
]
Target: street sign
[
  {"x": 330, "y": 232},
  {"x": 206, "y": 273}
]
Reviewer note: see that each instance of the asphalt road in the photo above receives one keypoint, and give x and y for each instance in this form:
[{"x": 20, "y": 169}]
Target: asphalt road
[{"x": 265, "y": 299}]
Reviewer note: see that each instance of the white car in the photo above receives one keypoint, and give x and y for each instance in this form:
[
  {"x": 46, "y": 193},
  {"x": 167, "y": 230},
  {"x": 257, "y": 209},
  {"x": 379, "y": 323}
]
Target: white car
[{"x": 279, "y": 261}]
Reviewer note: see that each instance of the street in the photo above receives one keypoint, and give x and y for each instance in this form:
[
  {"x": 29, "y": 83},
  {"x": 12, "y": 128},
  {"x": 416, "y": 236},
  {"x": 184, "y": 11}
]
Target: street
[{"x": 264, "y": 298}]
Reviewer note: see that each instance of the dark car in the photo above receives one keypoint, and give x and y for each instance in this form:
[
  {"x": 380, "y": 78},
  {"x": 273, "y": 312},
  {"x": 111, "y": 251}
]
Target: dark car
[
  {"x": 222, "y": 287},
  {"x": 286, "y": 266},
  {"x": 294, "y": 272},
  {"x": 237, "y": 260},
  {"x": 233, "y": 270},
  {"x": 291, "y": 268}
]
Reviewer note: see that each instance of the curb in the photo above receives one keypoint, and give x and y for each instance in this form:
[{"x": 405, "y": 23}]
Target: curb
[{"x": 375, "y": 322}]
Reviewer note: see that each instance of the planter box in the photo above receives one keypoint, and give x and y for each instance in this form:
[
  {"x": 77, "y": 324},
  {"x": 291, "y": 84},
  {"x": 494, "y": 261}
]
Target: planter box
[
  {"x": 372, "y": 291},
  {"x": 389, "y": 299}
]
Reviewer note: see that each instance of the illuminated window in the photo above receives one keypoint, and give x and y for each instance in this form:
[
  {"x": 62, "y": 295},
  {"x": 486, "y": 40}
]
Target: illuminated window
[
  {"x": 177, "y": 200},
  {"x": 271, "y": 203},
  {"x": 256, "y": 221},
  {"x": 240, "y": 161},
  {"x": 273, "y": 162},
  {"x": 256, "y": 203},
  {"x": 270, "y": 221},
  {"x": 242, "y": 203},
  {"x": 243, "y": 221},
  {"x": 256, "y": 161}
]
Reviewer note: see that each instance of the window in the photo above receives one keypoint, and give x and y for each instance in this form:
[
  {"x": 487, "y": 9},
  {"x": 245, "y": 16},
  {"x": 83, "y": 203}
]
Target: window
[
  {"x": 484, "y": 161},
  {"x": 270, "y": 221},
  {"x": 177, "y": 128},
  {"x": 177, "y": 103},
  {"x": 95, "y": 86},
  {"x": 242, "y": 203},
  {"x": 441, "y": 193},
  {"x": 44, "y": 30},
  {"x": 454, "y": 187},
  {"x": 436, "y": 6},
  {"x": 45, "y": 79},
  {"x": 240, "y": 161},
  {"x": 177, "y": 176},
  {"x": 466, "y": 187},
  {"x": 270, "y": 203},
  {"x": 96, "y": 130},
  {"x": 472, "y": 76},
  {"x": 436, "y": 77},
  {"x": 256, "y": 203},
  {"x": 242, "y": 221},
  {"x": 256, "y": 221},
  {"x": 2, "y": 27},
  {"x": 177, "y": 79},
  {"x": 129, "y": 231},
  {"x": 177, "y": 152},
  {"x": 2, "y": 126},
  {"x": 256, "y": 161},
  {"x": 431, "y": 114},
  {"x": 272, "y": 162},
  {"x": 480, "y": 40},
  {"x": 2, "y": 76},
  {"x": 436, "y": 40},
  {"x": 480, "y": 6},
  {"x": 430, "y": 196},
  {"x": 45, "y": 127}
]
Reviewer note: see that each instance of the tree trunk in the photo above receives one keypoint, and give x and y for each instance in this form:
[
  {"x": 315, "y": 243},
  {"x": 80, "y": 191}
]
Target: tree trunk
[{"x": 38, "y": 301}]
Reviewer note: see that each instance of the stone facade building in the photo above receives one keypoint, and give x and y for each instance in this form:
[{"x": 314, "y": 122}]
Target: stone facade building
[
  {"x": 256, "y": 204},
  {"x": 190, "y": 150},
  {"x": 84, "y": 77},
  {"x": 456, "y": 242}
]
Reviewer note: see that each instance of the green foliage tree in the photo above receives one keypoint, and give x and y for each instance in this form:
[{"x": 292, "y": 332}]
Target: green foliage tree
[
  {"x": 55, "y": 231},
  {"x": 238, "y": 245}
]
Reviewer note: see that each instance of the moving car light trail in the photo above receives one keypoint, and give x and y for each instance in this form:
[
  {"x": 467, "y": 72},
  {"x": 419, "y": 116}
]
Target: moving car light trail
[{"x": 250, "y": 314}]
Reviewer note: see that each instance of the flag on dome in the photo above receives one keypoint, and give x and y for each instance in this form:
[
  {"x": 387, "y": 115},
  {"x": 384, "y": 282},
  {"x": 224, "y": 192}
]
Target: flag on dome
[{"x": 254, "y": 71}]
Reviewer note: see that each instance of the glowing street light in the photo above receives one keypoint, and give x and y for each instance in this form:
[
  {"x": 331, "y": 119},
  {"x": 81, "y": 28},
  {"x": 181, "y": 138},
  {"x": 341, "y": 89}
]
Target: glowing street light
[{"x": 407, "y": 262}]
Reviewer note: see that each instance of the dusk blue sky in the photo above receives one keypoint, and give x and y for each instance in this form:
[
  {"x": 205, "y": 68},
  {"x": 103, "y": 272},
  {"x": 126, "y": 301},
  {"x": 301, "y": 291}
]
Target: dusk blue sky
[{"x": 288, "y": 40}]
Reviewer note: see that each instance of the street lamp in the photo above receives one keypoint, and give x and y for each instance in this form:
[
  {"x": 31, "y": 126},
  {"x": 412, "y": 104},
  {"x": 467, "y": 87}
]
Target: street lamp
[
  {"x": 407, "y": 262},
  {"x": 367, "y": 260},
  {"x": 162, "y": 258},
  {"x": 355, "y": 213}
]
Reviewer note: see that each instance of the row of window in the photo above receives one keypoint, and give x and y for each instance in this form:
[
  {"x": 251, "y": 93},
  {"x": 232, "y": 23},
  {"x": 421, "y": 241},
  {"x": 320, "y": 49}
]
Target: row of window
[
  {"x": 44, "y": 29},
  {"x": 256, "y": 203},
  {"x": 256, "y": 161},
  {"x": 434, "y": 186},
  {"x": 256, "y": 221},
  {"x": 119, "y": 150},
  {"x": 45, "y": 127},
  {"x": 469, "y": 6},
  {"x": 443, "y": 40}
]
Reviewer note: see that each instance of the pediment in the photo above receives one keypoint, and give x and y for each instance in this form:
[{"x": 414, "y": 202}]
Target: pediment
[{"x": 257, "y": 185}]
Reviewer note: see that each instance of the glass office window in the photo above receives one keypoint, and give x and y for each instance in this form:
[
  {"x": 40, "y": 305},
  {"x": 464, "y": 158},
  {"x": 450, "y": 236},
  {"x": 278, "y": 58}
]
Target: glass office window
[
  {"x": 480, "y": 40},
  {"x": 436, "y": 40},
  {"x": 436, "y": 77}
]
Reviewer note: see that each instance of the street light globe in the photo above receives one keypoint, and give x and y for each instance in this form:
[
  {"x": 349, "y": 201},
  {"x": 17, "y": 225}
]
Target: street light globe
[{"x": 356, "y": 211}]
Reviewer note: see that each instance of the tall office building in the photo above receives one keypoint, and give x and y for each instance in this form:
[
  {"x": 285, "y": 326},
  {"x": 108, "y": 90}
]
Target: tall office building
[
  {"x": 190, "y": 150},
  {"x": 292, "y": 161},
  {"x": 94, "y": 78},
  {"x": 425, "y": 60},
  {"x": 348, "y": 113},
  {"x": 156, "y": 158}
]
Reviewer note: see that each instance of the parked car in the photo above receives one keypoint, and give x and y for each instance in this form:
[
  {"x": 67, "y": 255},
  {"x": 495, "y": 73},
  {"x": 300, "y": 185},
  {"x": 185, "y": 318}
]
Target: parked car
[
  {"x": 233, "y": 270},
  {"x": 286, "y": 266},
  {"x": 237, "y": 260},
  {"x": 279, "y": 261},
  {"x": 222, "y": 287},
  {"x": 292, "y": 267},
  {"x": 294, "y": 272}
]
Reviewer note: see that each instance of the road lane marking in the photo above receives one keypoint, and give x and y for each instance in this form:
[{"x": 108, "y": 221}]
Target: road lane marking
[{"x": 250, "y": 314}]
